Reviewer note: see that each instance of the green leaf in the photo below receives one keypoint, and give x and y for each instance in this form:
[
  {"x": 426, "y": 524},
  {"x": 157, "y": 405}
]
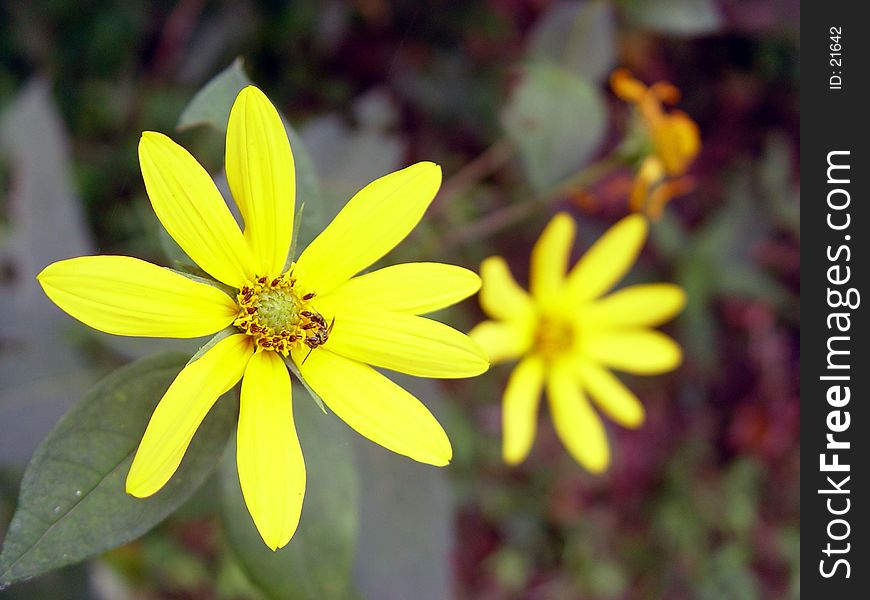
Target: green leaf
[
  {"x": 211, "y": 106},
  {"x": 579, "y": 36},
  {"x": 72, "y": 503},
  {"x": 676, "y": 17},
  {"x": 556, "y": 120},
  {"x": 406, "y": 513},
  {"x": 318, "y": 560}
]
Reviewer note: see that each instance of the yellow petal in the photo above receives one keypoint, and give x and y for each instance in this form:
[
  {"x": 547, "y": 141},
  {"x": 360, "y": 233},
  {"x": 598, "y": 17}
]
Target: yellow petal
[
  {"x": 577, "y": 425},
  {"x": 616, "y": 400},
  {"x": 262, "y": 178},
  {"x": 268, "y": 455},
  {"x": 645, "y": 305},
  {"x": 375, "y": 407},
  {"x": 413, "y": 288},
  {"x": 376, "y": 219},
  {"x": 640, "y": 351},
  {"x": 520, "y": 409},
  {"x": 503, "y": 340},
  {"x": 608, "y": 260},
  {"x": 550, "y": 258},
  {"x": 405, "y": 343},
  {"x": 181, "y": 410},
  {"x": 500, "y": 295},
  {"x": 128, "y": 296},
  {"x": 192, "y": 210}
]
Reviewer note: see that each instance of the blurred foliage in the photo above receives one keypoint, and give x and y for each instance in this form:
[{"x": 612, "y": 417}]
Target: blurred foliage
[
  {"x": 72, "y": 501},
  {"x": 578, "y": 36},
  {"x": 39, "y": 354},
  {"x": 542, "y": 122},
  {"x": 678, "y": 17},
  {"x": 511, "y": 99}
]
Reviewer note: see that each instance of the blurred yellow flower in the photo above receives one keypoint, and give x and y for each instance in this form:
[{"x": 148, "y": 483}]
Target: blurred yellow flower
[
  {"x": 672, "y": 139},
  {"x": 314, "y": 312},
  {"x": 567, "y": 337}
]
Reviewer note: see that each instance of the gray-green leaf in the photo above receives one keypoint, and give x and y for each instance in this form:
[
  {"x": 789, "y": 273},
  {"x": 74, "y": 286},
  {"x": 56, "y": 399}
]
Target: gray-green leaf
[
  {"x": 556, "y": 120},
  {"x": 72, "y": 503},
  {"x": 578, "y": 36},
  {"x": 211, "y": 105},
  {"x": 317, "y": 562},
  {"x": 676, "y": 17}
]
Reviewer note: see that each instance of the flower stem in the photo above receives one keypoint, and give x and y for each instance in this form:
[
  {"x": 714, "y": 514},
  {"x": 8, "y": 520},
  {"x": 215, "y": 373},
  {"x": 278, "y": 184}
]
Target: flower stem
[
  {"x": 509, "y": 215},
  {"x": 487, "y": 163}
]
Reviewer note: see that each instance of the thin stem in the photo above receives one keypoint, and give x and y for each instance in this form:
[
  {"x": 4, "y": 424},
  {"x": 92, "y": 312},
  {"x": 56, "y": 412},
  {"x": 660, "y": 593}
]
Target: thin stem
[
  {"x": 507, "y": 216},
  {"x": 487, "y": 163}
]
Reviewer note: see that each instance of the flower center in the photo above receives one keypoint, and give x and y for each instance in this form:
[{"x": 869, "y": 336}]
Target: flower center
[
  {"x": 278, "y": 316},
  {"x": 554, "y": 337}
]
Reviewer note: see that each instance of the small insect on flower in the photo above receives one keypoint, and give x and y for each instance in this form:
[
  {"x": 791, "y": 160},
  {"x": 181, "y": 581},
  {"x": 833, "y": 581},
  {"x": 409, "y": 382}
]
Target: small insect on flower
[
  {"x": 278, "y": 312},
  {"x": 320, "y": 335},
  {"x": 669, "y": 142},
  {"x": 567, "y": 337}
]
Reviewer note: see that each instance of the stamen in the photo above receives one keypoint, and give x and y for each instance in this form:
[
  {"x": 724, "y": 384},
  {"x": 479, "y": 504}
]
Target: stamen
[{"x": 278, "y": 316}]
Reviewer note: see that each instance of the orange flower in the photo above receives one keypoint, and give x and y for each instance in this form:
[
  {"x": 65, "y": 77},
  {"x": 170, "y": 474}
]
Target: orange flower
[{"x": 671, "y": 142}]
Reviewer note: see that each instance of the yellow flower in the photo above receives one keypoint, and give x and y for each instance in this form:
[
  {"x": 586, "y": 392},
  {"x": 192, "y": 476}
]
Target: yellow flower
[
  {"x": 314, "y": 312},
  {"x": 567, "y": 337},
  {"x": 672, "y": 139}
]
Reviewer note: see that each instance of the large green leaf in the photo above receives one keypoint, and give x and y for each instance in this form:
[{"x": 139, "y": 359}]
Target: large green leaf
[
  {"x": 72, "y": 503},
  {"x": 211, "y": 106},
  {"x": 579, "y": 36},
  {"x": 317, "y": 562},
  {"x": 556, "y": 120}
]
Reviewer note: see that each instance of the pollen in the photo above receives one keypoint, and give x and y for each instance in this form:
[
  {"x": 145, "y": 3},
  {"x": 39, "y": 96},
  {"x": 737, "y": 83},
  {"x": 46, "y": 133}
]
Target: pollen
[{"x": 278, "y": 315}]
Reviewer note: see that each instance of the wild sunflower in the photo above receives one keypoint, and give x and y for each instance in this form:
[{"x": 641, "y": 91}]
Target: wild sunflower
[
  {"x": 567, "y": 336},
  {"x": 314, "y": 313}
]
